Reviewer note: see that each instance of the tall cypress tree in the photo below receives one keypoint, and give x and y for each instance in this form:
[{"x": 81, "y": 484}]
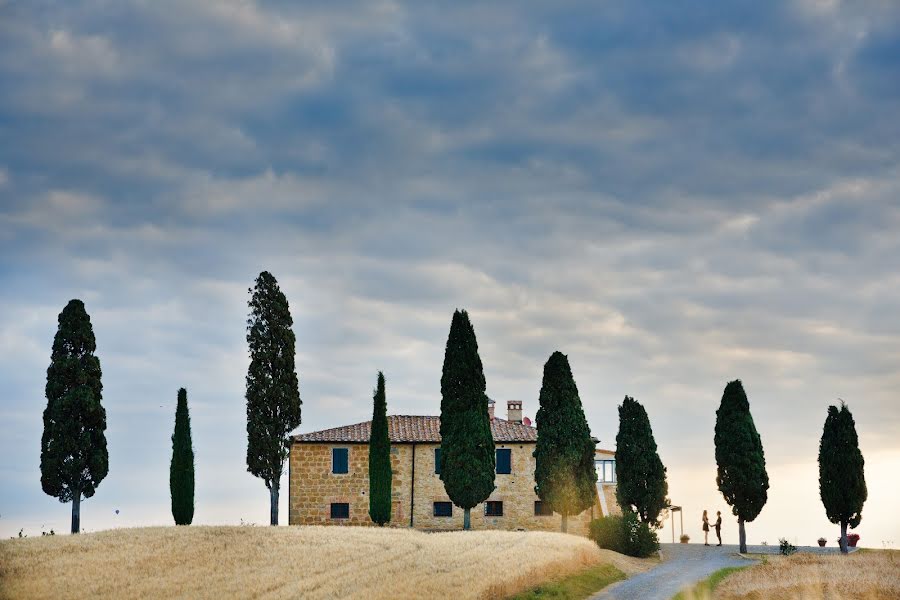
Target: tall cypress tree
[
  {"x": 379, "y": 458},
  {"x": 273, "y": 397},
  {"x": 640, "y": 475},
  {"x": 564, "y": 471},
  {"x": 742, "y": 476},
  {"x": 842, "y": 483},
  {"x": 181, "y": 469},
  {"x": 74, "y": 459},
  {"x": 467, "y": 445}
]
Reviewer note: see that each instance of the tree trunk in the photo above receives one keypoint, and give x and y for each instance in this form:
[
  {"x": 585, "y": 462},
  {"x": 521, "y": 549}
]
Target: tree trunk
[
  {"x": 273, "y": 513},
  {"x": 843, "y": 540},
  {"x": 467, "y": 519},
  {"x": 565, "y": 523},
  {"x": 742, "y": 536},
  {"x": 76, "y": 513}
]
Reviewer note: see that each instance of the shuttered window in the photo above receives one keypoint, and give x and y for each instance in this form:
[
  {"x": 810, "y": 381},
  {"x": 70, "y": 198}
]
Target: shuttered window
[
  {"x": 493, "y": 508},
  {"x": 437, "y": 462},
  {"x": 443, "y": 509},
  {"x": 339, "y": 460},
  {"x": 541, "y": 509},
  {"x": 504, "y": 461},
  {"x": 340, "y": 510}
]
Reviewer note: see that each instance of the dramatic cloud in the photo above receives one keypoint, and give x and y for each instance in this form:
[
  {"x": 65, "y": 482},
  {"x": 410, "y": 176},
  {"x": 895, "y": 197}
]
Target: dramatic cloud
[{"x": 674, "y": 196}]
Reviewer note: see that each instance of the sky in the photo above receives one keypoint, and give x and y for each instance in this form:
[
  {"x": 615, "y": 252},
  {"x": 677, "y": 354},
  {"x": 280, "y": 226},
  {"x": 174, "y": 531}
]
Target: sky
[{"x": 675, "y": 195}]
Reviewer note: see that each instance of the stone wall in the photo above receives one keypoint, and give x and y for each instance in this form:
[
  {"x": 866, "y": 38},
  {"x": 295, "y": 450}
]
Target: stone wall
[
  {"x": 609, "y": 492},
  {"x": 313, "y": 487}
]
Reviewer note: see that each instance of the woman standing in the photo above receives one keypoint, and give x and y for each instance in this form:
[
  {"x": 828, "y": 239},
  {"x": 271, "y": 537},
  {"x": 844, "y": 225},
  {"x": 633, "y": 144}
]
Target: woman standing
[{"x": 705, "y": 529}]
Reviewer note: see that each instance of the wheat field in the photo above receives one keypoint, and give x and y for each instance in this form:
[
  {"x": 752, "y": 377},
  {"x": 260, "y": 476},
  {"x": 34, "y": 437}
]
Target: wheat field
[
  {"x": 867, "y": 575},
  {"x": 292, "y": 562}
]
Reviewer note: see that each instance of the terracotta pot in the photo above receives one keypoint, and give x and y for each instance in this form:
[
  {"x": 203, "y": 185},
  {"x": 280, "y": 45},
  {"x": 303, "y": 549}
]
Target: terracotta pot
[
  {"x": 852, "y": 542},
  {"x": 821, "y": 543}
]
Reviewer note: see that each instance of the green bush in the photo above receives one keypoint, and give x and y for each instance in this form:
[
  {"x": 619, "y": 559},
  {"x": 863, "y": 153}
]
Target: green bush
[
  {"x": 607, "y": 533},
  {"x": 786, "y": 547},
  {"x": 625, "y": 534}
]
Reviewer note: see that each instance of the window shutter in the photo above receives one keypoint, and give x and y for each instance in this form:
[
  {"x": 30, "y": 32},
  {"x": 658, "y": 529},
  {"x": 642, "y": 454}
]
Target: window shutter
[
  {"x": 437, "y": 461},
  {"x": 339, "y": 460},
  {"x": 504, "y": 461},
  {"x": 340, "y": 510}
]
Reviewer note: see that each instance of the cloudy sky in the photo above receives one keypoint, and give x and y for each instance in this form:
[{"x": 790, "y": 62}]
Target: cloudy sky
[{"x": 672, "y": 196}]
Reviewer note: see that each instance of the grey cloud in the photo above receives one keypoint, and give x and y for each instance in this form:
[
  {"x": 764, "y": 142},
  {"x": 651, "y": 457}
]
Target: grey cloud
[{"x": 673, "y": 201}]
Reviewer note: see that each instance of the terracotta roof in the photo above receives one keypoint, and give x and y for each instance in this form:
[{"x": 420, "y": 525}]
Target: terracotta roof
[{"x": 410, "y": 428}]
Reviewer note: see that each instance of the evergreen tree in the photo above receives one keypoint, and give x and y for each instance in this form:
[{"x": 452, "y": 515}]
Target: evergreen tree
[
  {"x": 467, "y": 445},
  {"x": 273, "y": 397},
  {"x": 640, "y": 475},
  {"x": 842, "y": 483},
  {"x": 742, "y": 476},
  {"x": 380, "y": 458},
  {"x": 564, "y": 471},
  {"x": 181, "y": 469},
  {"x": 74, "y": 459}
]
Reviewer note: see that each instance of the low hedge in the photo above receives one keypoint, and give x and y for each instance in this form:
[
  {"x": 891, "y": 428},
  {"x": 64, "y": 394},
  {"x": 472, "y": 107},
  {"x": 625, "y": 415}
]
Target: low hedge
[{"x": 625, "y": 534}]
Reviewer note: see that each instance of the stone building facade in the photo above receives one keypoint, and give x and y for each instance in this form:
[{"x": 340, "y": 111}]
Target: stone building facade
[
  {"x": 329, "y": 479},
  {"x": 605, "y": 464}
]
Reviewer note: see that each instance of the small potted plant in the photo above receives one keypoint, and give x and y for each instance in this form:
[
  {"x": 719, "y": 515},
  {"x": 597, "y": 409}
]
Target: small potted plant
[
  {"x": 852, "y": 539},
  {"x": 685, "y": 538},
  {"x": 822, "y": 542}
]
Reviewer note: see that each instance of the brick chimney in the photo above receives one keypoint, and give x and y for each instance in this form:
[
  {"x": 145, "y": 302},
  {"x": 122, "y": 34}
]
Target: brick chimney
[
  {"x": 514, "y": 411},
  {"x": 491, "y": 404}
]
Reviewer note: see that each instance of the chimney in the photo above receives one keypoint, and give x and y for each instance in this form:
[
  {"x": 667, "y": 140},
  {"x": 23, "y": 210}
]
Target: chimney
[
  {"x": 491, "y": 404},
  {"x": 514, "y": 411}
]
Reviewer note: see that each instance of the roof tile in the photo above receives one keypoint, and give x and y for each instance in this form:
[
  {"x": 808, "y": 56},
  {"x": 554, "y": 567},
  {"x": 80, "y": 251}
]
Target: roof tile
[{"x": 412, "y": 428}]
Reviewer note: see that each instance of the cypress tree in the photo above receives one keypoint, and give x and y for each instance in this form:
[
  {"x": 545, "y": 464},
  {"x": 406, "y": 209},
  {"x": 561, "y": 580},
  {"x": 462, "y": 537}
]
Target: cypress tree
[
  {"x": 380, "y": 458},
  {"x": 74, "y": 459},
  {"x": 742, "y": 476},
  {"x": 181, "y": 469},
  {"x": 640, "y": 475},
  {"x": 273, "y": 397},
  {"x": 842, "y": 483},
  {"x": 564, "y": 471},
  {"x": 467, "y": 446}
]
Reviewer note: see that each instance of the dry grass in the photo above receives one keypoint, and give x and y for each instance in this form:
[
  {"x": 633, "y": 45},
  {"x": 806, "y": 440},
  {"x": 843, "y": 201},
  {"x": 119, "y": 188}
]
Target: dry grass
[
  {"x": 292, "y": 562},
  {"x": 869, "y": 575}
]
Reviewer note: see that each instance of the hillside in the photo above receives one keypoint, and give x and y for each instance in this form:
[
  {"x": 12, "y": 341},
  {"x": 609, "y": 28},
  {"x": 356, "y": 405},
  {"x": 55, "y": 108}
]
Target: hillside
[{"x": 290, "y": 562}]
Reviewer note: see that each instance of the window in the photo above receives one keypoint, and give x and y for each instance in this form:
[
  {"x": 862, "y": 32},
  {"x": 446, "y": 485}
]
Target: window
[
  {"x": 339, "y": 461},
  {"x": 437, "y": 462},
  {"x": 340, "y": 510},
  {"x": 443, "y": 509},
  {"x": 504, "y": 461},
  {"x": 493, "y": 508},
  {"x": 606, "y": 471},
  {"x": 541, "y": 509}
]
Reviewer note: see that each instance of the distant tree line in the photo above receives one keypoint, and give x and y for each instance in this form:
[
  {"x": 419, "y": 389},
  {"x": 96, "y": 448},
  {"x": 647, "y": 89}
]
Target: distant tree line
[{"x": 74, "y": 457}]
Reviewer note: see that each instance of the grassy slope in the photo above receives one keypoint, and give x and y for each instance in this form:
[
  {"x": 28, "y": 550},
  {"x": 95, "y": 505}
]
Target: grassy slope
[
  {"x": 574, "y": 587},
  {"x": 308, "y": 562},
  {"x": 705, "y": 589},
  {"x": 864, "y": 575}
]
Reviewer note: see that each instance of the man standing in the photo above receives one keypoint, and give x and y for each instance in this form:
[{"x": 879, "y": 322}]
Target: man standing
[{"x": 719, "y": 526}]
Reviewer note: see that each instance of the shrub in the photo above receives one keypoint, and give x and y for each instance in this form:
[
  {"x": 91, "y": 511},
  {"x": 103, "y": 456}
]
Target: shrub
[
  {"x": 786, "y": 547},
  {"x": 685, "y": 538},
  {"x": 607, "y": 533},
  {"x": 625, "y": 534}
]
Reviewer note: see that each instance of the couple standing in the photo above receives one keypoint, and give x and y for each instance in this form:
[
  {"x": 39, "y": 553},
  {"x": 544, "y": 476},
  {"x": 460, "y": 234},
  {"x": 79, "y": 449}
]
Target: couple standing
[{"x": 718, "y": 527}]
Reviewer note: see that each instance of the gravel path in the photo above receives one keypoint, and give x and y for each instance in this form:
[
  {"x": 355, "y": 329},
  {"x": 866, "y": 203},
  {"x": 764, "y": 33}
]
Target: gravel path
[{"x": 683, "y": 565}]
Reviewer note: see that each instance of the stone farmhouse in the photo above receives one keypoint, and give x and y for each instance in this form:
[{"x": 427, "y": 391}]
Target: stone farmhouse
[{"x": 328, "y": 478}]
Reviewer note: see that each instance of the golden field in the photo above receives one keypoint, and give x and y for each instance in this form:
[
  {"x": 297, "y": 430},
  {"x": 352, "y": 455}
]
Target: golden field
[
  {"x": 292, "y": 562},
  {"x": 865, "y": 575}
]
